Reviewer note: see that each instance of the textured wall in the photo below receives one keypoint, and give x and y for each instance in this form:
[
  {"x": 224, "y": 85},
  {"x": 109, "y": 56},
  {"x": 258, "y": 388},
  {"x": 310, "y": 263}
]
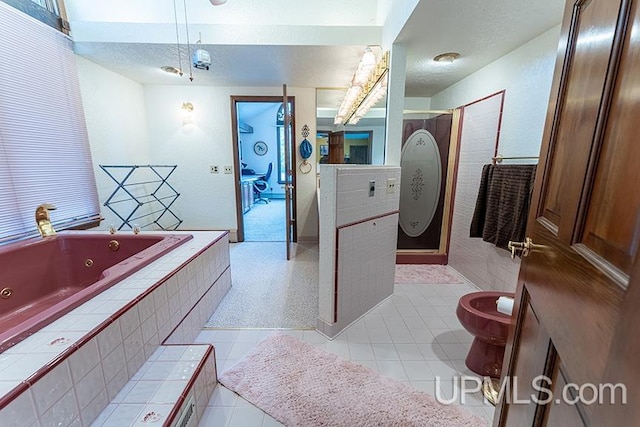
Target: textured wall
[
  {"x": 134, "y": 124},
  {"x": 526, "y": 75},
  {"x": 116, "y": 123},
  {"x": 485, "y": 265}
]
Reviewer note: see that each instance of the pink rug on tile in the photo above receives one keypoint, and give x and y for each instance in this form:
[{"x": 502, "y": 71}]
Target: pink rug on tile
[
  {"x": 301, "y": 385},
  {"x": 426, "y": 274}
]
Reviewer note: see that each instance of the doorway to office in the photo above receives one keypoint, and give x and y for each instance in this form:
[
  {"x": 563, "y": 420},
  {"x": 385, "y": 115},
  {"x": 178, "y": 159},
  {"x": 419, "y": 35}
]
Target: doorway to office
[{"x": 260, "y": 168}]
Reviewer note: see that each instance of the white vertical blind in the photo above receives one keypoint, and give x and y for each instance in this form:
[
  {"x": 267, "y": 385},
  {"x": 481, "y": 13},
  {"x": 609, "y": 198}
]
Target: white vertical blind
[{"x": 43, "y": 136}]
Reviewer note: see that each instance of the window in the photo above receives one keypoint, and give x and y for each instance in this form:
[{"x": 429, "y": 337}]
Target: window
[
  {"x": 282, "y": 176},
  {"x": 49, "y": 12},
  {"x": 44, "y": 148}
]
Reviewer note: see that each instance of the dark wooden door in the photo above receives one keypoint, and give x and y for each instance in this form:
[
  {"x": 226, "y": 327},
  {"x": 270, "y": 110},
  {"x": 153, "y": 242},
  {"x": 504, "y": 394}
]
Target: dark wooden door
[
  {"x": 575, "y": 284},
  {"x": 336, "y": 147},
  {"x": 290, "y": 179}
]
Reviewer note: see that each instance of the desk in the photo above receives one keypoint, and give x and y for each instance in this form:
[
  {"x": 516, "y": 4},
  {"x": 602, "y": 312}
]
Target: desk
[
  {"x": 246, "y": 185},
  {"x": 251, "y": 178}
]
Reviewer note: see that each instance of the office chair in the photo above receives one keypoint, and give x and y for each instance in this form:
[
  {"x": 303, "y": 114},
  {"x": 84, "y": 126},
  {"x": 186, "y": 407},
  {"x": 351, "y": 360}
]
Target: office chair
[{"x": 261, "y": 185}]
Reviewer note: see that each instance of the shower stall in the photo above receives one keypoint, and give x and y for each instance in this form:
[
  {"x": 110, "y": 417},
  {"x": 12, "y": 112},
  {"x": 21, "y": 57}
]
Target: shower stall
[{"x": 429, "y": 151}]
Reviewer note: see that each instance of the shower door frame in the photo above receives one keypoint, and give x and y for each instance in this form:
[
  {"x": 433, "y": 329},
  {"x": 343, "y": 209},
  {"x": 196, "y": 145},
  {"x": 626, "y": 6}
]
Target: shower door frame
[{"x": 440, "y": 255}]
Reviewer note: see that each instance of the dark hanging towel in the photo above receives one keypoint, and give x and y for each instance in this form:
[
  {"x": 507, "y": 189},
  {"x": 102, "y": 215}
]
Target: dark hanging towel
[{"x": 503, "y": 202}]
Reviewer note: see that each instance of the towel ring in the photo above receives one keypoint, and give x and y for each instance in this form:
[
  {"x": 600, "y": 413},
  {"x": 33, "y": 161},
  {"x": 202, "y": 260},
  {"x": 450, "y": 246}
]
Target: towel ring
[{"x": 305, "y": 167}]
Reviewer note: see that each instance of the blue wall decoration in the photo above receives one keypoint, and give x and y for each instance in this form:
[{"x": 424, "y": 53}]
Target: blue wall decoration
[
  {"x": 305, "y": 146},
  {"x": 305, "y": 150}
]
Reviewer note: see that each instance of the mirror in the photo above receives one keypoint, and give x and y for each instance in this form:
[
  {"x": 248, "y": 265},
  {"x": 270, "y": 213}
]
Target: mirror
[{"x": 362, "y": 143}]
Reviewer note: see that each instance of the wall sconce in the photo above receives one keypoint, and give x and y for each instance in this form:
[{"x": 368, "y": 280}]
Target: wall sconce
[
  {"x": 368, "y": 86},
  {"x": 187, "y": 113}
]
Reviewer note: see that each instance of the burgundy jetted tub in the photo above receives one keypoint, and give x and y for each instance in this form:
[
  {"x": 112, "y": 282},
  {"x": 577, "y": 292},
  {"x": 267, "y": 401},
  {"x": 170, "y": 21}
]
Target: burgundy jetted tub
[{"x": 42, "y": 279}]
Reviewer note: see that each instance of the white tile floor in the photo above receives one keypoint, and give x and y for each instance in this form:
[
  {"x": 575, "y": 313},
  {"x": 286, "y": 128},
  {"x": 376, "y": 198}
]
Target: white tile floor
[{"x": 413, "y": 337}]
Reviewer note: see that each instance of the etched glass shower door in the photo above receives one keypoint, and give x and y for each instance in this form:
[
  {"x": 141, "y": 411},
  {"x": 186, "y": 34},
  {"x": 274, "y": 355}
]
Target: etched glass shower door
[{"x": 427, "y": 159}]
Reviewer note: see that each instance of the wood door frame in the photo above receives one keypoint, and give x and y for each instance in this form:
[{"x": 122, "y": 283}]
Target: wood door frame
[{"x": 235, "y": 138}]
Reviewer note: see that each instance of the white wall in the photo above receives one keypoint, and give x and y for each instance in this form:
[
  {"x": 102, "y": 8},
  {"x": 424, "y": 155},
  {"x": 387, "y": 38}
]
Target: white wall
[
  {"x": 114, "y": 109},
  {"x": 264, "y": 129},
  {"x": 273, "y": 12},
  {"x": 207, "y": 200},
  {"x": 526, "y": 75},
  {"x": 129, "y": 123},
  {"x": 417, "y": 103},
  {"x": 377, "y": 145}
]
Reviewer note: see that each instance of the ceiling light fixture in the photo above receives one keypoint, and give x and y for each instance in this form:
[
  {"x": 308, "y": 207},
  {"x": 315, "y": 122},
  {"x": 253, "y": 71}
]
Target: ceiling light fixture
[
  {"x": 378, "y": 92},
  {"x": 217, "y": 2},
  {"x": 169, "y": 69},
  {"x": 447, "y": 57},
  {"x": 369, "y": 84},
  {"x": 201, "y": 58}
]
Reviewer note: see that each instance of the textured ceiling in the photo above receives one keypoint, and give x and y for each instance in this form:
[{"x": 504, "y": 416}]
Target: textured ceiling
[
  {"x": 236, "y": 65},
  {"x": 481, "y": 31}
]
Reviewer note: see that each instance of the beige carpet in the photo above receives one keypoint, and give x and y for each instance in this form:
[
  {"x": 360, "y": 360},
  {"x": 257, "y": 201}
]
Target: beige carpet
[
  {"x": 301, "y": 385},
  {"x": 268, "y": 291}
]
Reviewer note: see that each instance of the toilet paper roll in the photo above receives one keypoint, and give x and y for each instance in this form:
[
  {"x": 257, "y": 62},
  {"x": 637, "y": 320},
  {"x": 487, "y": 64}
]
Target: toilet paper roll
[{"x": 505, "y": 305}]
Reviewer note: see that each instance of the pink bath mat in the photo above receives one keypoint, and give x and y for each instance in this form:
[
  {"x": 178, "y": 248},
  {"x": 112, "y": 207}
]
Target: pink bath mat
[
  {"x": 427, "y": 274},
  {"x": 301, "y": 385}
]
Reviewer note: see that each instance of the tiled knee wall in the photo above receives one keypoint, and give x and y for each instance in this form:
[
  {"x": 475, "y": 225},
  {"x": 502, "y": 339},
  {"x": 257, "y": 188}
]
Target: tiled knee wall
[{"x": 78, "y": 386}]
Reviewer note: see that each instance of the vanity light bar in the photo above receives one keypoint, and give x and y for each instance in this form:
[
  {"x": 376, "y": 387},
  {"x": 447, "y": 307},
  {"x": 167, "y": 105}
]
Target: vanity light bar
[{"x": 361, "y": 88}]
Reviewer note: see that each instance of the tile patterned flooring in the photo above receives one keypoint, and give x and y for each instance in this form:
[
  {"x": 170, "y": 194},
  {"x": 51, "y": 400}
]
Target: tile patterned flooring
[{"x": 414, "y": 337}]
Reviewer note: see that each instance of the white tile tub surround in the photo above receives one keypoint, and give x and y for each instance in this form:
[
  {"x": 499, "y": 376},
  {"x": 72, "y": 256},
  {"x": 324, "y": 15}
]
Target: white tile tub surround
[
  {"x": 81, "y": 379},
  {"x": 347, "y": 215},
  {"x": 173, "y": 375},
  {"x": 482, "y": 263}
]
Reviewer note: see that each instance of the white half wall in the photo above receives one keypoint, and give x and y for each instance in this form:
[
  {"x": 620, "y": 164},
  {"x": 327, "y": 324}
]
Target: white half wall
[{"x": 525, "y": 74}]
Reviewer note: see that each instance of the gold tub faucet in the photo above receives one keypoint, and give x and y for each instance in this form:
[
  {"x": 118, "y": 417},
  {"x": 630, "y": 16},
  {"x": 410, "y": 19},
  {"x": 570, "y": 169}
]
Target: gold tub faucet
[{"x": 43, "y": 221}]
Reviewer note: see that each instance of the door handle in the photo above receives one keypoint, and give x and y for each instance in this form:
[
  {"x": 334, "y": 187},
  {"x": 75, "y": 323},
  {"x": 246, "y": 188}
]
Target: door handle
[{"x": 525, "y": 247}]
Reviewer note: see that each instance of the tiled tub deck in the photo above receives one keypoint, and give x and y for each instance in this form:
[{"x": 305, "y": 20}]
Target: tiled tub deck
[{"x": 69, "y": 371}]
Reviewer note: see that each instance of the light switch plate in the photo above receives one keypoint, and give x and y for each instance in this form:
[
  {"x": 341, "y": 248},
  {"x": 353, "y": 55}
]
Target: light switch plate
[{"x": 391, "y": 185}]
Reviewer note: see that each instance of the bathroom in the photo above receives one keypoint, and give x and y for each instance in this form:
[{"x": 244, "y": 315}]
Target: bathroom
[{"x": 133, "y": 123}]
